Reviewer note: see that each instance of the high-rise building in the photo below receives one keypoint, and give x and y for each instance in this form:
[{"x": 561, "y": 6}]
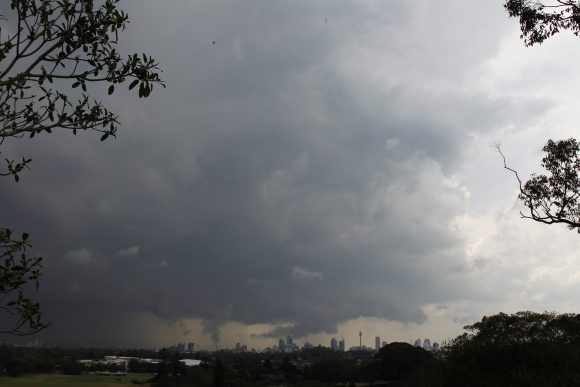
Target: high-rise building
[
  {"x": 281, "y": 345},
  {"x": 181, "y": 347},
  {"x": 417, "y": 343},
  {"x": 289, "y": 341},
  {"x": 377, "y": 343},
  {"x": 341, "y": 345},
  {"x": 334, "y": 344},
  {"x": 427, "y": 344},
  {"x": 360, "y": 340},
  {"x": 190, "y": 347}
]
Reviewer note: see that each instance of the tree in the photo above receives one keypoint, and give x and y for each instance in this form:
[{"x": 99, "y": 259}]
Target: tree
[
  {"x": 397, "y": 361},
  {"x": 49, "y": 55},
  {"x": 554, "y": 198},
  {"x": 521, "y": 349},
  {"x": 541, "y": 20}
]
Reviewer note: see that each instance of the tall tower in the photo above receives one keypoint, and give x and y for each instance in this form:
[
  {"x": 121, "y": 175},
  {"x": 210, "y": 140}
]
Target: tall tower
[
  {"x": 377, "y": 343},
  {"x": 360, "y": 339}
]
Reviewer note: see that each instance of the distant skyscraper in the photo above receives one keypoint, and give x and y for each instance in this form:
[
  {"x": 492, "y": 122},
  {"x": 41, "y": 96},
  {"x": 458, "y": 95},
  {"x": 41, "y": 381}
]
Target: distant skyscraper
[
  {"x": 341, "y": 345},
  {"x": 417, "y": 343},
  {"x": 333, "y": 344},
  {"x": 360, "y": 340},
  {"x": 427, "y": 345},
  {"x": 377, "y": 343},
  {"x": 281, "y": 345},
  {"x": 289, "y": 341},
  {"x": 190, "y": 347},
  {"x": 181, "y": 347}
]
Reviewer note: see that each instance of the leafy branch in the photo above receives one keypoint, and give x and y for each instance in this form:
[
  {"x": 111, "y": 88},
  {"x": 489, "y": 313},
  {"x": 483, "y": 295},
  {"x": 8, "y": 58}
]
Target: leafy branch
[
  {"x": 553, "y": 198},
  {"x": 541, "y": 20},
  {"x": 18, "y": 271}
]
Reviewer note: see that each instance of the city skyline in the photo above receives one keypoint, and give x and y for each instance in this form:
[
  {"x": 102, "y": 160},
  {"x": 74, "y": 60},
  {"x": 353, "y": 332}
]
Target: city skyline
[
  {"x": 241, "y": 346},
  {"x": 289, "y": 344}
]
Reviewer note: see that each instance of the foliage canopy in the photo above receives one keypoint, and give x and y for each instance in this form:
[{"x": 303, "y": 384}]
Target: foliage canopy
[
  {"x": 540, "y": 20},
  {"x": 521, "y": 349}
]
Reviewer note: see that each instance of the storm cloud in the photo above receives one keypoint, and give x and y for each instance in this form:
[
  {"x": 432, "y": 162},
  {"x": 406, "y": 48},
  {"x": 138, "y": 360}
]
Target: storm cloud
[{"x": 303, "y": 168}]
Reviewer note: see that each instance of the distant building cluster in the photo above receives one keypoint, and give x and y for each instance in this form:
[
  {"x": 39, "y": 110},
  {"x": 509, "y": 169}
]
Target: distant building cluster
[
  {"x": 427, "y": 345},
  {"x": 288, "y": 345},
  {"x": 337, "y": 345},
  {"x": 360, "y": 346},
  {"x": 182, "y": 348},
  {"x": 285, "y": 345},
  {"x": 240, "y": 348},
  {"x": 378, "y": 344}
]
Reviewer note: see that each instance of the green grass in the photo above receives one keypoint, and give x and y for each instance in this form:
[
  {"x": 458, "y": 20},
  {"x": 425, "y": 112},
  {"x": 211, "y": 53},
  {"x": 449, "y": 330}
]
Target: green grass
[{"x": 56, "y": 380}]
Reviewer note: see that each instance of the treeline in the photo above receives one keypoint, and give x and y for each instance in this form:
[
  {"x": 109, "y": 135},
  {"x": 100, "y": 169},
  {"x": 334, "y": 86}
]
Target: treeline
[
  {"x": 16, "y": 361},
  {"x": 311, "y": 367}
]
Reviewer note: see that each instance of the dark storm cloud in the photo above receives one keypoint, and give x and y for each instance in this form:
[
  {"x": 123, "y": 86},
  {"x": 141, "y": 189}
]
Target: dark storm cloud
[{"x": 270, "y": 182}]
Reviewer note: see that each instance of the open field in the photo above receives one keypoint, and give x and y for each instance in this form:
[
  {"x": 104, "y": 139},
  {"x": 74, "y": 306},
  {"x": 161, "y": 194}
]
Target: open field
[{"x": 56, "y": 380}]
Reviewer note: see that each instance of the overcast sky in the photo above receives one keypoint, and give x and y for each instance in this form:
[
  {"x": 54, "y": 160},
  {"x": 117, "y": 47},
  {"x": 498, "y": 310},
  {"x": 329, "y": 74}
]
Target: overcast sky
[{"x": 325, "y": 167}]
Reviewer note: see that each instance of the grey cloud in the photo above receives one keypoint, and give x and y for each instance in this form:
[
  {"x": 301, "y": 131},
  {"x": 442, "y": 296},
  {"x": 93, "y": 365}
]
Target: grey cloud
[
  {"x": 82, "y": 256},
  {"x": 129, "y": 251},
  {"x": 269, "y": 151},
  {"x": 299, "y": 273}
]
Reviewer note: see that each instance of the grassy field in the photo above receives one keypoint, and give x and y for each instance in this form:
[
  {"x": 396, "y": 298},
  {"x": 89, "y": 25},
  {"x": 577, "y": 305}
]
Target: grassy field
[{"x": 54, "y": 380}]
